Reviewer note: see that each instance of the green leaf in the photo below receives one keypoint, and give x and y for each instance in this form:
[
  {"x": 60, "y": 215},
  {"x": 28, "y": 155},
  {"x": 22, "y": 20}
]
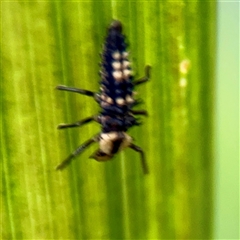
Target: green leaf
[{"x": 45, "y": 44}]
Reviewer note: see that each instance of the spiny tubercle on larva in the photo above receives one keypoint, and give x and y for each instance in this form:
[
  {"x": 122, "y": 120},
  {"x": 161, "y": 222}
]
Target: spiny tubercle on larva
[{"x": 116, "y": 73}]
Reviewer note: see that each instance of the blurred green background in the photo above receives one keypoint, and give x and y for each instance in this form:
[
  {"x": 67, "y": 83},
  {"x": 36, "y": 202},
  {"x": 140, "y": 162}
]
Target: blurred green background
[
  {"x": 49, "y": 43},
  {"x": 227, "y": 122}
]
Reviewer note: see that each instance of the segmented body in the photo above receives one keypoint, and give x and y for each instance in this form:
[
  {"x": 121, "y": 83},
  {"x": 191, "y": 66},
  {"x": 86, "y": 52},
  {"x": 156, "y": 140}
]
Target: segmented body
[
  {"x": 115, "y": 99},
  {"x": 116, "y": 95}
]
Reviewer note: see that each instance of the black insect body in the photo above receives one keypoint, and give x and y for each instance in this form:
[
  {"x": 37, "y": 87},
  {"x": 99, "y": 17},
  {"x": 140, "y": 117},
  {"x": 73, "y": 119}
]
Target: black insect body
[{"x": 115, "y": 99}]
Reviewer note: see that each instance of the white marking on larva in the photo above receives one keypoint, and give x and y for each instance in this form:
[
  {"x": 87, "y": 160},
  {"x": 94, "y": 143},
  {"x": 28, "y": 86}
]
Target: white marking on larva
[
  {"x": 126, "y": 142},
  {"x": 116, "y": 65},
  {"x": 117, "y": 75},
  {"x": 126, "y": 64},
  {"x": 120, "y": 101},
  {"x": 125, "y": 54},
  {"x": 105, "y": 146},
  {"x": 109, "y": 136},
  {"x": 116, "y": 55},
  {"x": 103, "y": 96},
  {"x": 109, "y": 100},
  {"x": 126, "y": 73},
  {"x": 184, "y": 66},
  {"x": 129, "y": 99},
  {"x": 106, "y": 142},
  {"x": 102, "y": 87},
  {"x": 104, "y": 104},
  {"x": 183, "y": 82}
]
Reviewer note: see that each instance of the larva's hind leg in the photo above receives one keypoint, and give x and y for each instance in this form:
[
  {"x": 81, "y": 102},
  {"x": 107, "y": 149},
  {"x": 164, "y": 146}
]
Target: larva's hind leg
[
  {"x": 143, "y": 160},
  {"x": 78, "y": 151}
]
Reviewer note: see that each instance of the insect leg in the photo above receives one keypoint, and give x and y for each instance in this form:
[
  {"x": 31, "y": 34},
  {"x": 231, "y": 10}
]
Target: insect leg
[
  {"x": 145, "y": 78},
  {"x": 139, "y": 112},
  {"x": 76, "y": 90},
  {"x": 79, "y": 123},
  {"x": 79, "y": 150},
  {"x": 143, "y": 160}
]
